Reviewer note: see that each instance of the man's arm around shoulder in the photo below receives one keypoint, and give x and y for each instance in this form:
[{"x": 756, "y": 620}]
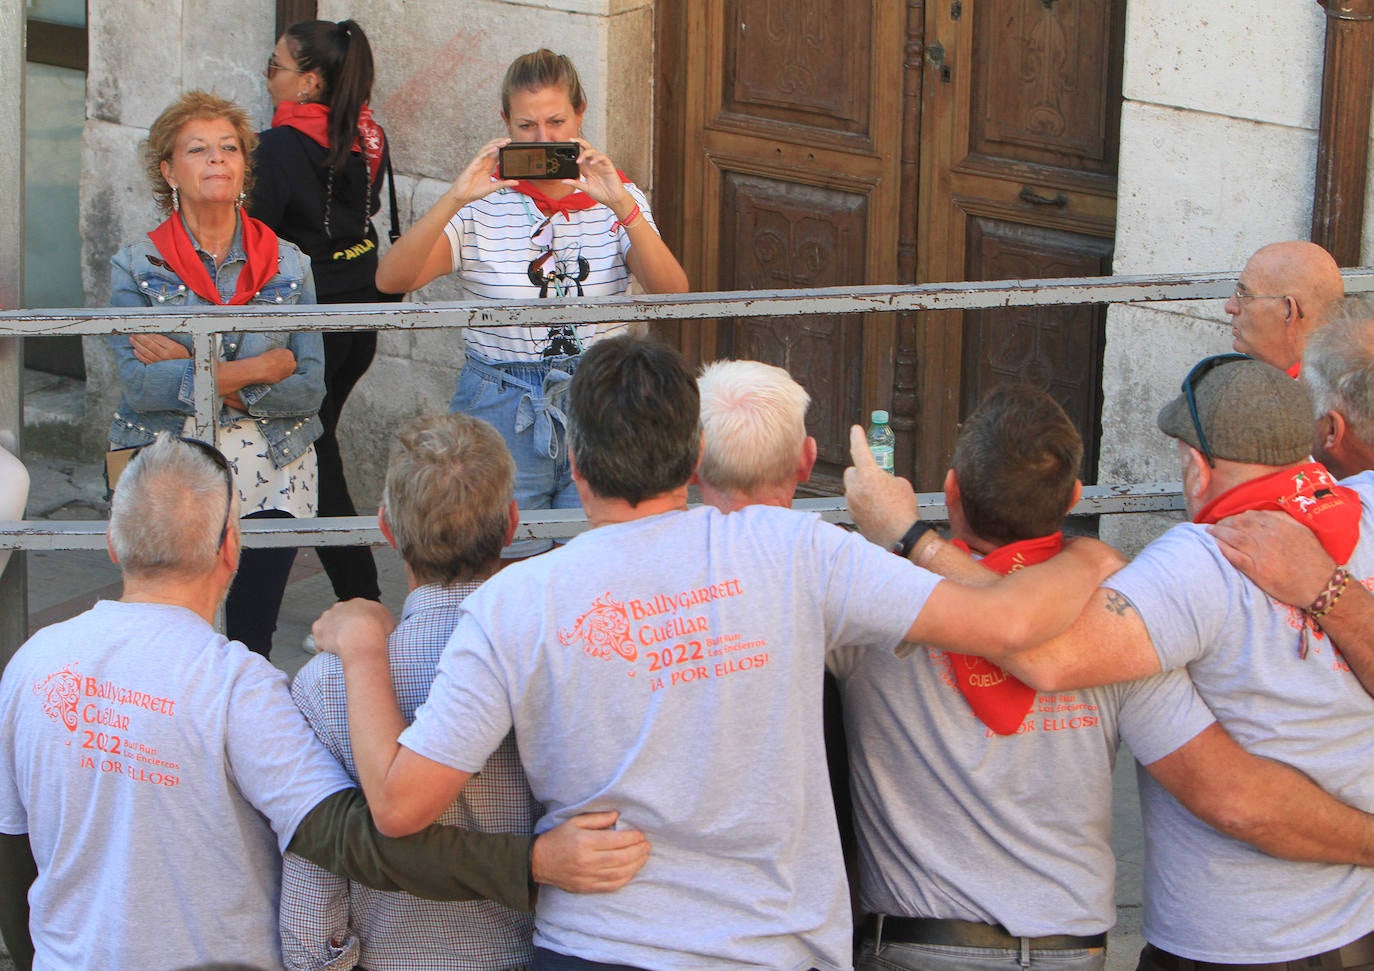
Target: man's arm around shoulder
[
  {"x": 1051, "y": 625},
  {"x": 584, "y": 854},
  {"x": 1267, "y": 804},
  {"x": 1283, "y": 558}
]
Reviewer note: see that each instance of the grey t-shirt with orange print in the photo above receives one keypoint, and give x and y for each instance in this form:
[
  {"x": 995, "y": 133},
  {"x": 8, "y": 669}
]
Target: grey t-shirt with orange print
[{"x": 671, "y": 668}]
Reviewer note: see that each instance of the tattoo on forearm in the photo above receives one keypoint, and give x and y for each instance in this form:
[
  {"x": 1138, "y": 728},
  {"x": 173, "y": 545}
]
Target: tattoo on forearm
[{"x": 1117, "y": 604}]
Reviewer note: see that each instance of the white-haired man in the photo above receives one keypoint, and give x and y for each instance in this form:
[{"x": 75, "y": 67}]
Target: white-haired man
[
  {"x": 754, "y": 450},
  {"x": 152, "y": 772},
  {"x": 448, "y": 508}
]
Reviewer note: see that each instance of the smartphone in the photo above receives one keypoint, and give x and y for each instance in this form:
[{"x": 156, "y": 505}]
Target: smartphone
[{"x": 539, "y": 160}]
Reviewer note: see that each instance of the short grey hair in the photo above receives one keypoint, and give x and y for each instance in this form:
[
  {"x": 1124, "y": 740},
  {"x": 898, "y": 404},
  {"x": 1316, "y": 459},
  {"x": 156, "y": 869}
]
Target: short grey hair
[
  {"x": 753, "y": 420},
  {"x": 449, "y": 485},
  {"x": 167, "y": 511},
  {"x": 1338, "y": 366}
]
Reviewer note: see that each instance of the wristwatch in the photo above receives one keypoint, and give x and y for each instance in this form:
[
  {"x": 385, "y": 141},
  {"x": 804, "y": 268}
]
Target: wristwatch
[{"x": 910, "y": 538}]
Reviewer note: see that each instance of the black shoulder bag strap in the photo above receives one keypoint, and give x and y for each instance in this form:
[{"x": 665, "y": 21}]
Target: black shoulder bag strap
[{"x": 395, "y": 232}]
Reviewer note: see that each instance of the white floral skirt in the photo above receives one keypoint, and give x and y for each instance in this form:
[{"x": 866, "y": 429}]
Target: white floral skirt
[{"x": 261, "y": 485}]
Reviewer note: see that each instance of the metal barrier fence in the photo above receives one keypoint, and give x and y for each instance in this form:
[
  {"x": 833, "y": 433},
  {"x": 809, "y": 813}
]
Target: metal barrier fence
[{"x": 206, "y": 322}]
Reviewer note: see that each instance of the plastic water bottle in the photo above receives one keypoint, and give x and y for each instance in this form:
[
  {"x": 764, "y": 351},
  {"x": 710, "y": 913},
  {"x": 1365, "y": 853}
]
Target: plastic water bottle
[{"x": 882, "y": 443}]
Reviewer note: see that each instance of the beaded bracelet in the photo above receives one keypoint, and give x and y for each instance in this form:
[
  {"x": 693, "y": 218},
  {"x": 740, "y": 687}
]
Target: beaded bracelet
[
  {"x": 1330, "y": 594},
  {"x": 628, "y": 221}
]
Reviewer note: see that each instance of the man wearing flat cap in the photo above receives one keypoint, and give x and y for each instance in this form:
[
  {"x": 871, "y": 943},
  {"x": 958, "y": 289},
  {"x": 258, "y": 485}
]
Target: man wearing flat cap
[
  {"x": 1244, "y": 432},
  {"x": 1276, "y": 552}
]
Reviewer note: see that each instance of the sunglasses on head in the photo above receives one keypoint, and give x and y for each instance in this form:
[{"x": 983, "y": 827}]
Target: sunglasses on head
[
  {"x": 214, "y": 455},
  {"x": 1200, "y": 370}
]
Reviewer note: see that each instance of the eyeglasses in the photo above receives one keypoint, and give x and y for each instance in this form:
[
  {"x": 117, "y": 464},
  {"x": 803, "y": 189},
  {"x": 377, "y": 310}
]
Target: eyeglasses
[
  {"x": 274, "y": 65},
  {"x": 215, "y": 456},
  {"x": 1200, "y": 370},
  {"x": 1241, "y": 295}
]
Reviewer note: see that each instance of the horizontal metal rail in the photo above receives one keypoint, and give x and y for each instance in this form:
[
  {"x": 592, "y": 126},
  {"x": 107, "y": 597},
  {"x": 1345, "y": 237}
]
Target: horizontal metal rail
[
  {"x": 207, "y": 320},
  {"x": 86, "y": 534},
  {"x": 204, "y": 323}
]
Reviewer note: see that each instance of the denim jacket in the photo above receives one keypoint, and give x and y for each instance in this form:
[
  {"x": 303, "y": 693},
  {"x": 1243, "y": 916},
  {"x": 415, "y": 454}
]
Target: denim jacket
[{"x": 160, "y": 396}]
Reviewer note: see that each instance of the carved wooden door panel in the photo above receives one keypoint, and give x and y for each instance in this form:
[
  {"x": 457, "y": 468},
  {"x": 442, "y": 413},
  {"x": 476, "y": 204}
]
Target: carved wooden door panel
[
  {"x": 790, "y": 178},
  {"x": 1019, "y": 126}
]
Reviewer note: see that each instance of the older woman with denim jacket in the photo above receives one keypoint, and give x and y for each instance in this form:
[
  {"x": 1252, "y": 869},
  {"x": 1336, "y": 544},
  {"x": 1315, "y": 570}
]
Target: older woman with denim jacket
[{"x": 209, "y": 252}]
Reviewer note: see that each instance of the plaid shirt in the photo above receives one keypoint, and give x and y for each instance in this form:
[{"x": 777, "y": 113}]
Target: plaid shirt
[{"x": 328, "y": 922}]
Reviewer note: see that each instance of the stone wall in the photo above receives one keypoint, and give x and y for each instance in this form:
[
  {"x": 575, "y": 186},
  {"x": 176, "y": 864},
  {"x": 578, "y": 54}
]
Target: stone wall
[
  {"x": 439, "y": 69},
  {"x": 1218, "y": 157}
]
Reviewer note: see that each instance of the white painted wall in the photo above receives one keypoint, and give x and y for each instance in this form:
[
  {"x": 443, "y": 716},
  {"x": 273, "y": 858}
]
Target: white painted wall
[{"x": 1218, "y": 157}]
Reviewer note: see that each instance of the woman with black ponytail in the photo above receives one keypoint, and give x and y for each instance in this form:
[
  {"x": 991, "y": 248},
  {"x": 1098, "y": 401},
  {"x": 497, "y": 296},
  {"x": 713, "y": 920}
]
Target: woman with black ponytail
[{"x": 318, "y": 183}]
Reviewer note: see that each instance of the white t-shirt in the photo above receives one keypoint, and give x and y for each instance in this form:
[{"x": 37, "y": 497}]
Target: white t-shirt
[
  {"x": 492, "y": 250},
  {"x": 956, "y": 822},
  {"x": 1209, "y": 897},
  {"x": 671, "y": 667},
  {"x": 159, "y": 771}
]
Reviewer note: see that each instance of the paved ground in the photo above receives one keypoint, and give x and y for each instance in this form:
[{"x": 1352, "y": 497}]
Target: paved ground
[{"x": 62, "y": 584}]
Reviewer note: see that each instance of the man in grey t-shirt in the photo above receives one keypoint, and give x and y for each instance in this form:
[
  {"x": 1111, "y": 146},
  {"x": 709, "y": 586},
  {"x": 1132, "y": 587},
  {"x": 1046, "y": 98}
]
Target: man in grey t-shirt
[
  {"x": 1271, "y": 679},
  {"x": 667, "y": 663},
  {"x": 1280, "y": 554}
]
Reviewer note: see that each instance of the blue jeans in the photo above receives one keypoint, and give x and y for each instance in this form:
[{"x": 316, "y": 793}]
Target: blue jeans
[
  {"x": 526, "y": 402},
  {"x": 939, "y": 957}
]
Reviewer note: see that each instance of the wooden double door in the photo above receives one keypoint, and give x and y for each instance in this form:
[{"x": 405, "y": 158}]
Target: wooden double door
[{"x": 810, "y": 143}]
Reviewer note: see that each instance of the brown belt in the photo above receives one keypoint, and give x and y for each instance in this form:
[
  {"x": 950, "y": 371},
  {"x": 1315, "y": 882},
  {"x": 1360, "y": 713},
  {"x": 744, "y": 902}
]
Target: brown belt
[
  {"x": 965, "y": 933},
  {"x": 1357, "y": 953}
]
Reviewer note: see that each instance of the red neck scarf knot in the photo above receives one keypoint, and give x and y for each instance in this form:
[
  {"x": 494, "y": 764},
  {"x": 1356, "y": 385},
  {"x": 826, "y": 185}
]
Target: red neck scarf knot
[{"x": 999, "y": 700}]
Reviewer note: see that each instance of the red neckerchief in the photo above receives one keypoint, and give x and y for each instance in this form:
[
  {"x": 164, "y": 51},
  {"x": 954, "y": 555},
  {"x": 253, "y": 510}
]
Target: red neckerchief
[
  {"x": 1308, "y": 494},
  {"x": 1295, "y": 370},
  {"x": 575, "y": 201},
  {"x": 259, "y": 247},
  {"x": 312, "y": 119},
  {"x": 999, "y": 700}
]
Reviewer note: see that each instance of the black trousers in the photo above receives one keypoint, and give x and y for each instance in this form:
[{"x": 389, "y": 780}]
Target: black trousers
[
  {"x": 351, "y": 570},
  {"x": 250, "y": 612}
]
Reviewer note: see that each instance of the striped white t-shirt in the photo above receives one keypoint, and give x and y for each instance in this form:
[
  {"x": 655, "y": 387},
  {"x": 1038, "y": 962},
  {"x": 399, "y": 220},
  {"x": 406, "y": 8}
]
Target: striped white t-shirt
[{"x": 492, "y": 252}]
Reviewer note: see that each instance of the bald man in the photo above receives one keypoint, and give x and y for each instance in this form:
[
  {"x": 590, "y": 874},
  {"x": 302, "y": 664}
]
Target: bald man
[{"x": 1285, "y": 292}]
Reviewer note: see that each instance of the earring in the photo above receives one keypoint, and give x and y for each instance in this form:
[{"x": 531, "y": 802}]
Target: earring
[
  {"x": 300, "y": 97},
  {"x": 176, "y": 200},
  {"x": 243, "y": 197}
]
